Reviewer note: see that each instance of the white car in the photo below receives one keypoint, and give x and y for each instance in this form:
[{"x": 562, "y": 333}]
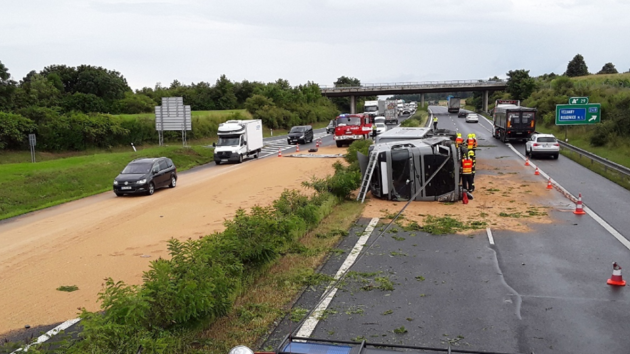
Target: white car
[
  {"x": 472, "y": 118},
  {"x": 542, "y": 145},
  {"x": 380, "y": 128}
]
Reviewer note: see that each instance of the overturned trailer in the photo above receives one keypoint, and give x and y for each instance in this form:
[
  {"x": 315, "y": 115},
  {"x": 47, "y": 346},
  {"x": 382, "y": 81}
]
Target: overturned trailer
[{"x": 421, "y": 169}]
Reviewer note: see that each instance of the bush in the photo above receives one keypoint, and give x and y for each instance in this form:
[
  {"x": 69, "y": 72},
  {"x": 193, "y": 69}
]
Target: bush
[
  {"x": 14, "y": 130},
  {"x": 361, "y": 146},
  {"x": 345, "y": 180},
  {"x": 201, "y": 280}
]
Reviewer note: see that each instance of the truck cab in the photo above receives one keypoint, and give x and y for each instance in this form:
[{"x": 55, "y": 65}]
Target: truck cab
[
  {"x": 351, "y": 127},
  {"x": 238, "y": 139}
]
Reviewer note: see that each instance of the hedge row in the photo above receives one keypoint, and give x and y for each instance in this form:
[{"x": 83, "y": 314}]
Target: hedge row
[{"x": 79, "y": 131}]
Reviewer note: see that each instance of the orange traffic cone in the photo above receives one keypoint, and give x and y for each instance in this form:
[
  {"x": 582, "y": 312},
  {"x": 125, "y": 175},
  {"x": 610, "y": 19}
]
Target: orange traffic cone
[
  {"x": 579, "y": 208},
  {"x": 297, "y": 147},
  {"x": 549, "y": 186},
  {"x": 465, "y": 197},
  {"x": 317, "y": 143},
  {"x": 616, "y": 278},
  {"x": 537, "y": 173},
  {"x": 527, "y": 161},
  {"x": 279, "y": 153}
]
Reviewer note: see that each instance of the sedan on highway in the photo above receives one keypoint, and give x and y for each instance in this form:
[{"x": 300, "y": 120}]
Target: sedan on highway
[
  {"x": 380, "y": 128},
  {"x": 472, "y": 118},
  {"x": 145, "y": 176},
  {"x": 462, "y": 114},
  {"x": 542, "y": 145}
]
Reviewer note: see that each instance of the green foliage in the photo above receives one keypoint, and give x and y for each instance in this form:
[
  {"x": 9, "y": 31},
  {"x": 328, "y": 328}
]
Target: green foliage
[
  {"x": 14, "y": 130},
  {"x": 200, "y": 280},
  {"x": 576, "y": 67},
  {"x": 68, "y": 288},
  {"x": 345, "y": 180},
  {"x": 519, "y": 84},
  {"x": 361, "y": 146},
  {"x": 7, "y": 88},
  {"x": 608, "y": 68}
]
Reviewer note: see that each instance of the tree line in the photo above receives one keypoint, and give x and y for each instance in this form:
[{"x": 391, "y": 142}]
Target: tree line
[{"x": 74, "y": 108}]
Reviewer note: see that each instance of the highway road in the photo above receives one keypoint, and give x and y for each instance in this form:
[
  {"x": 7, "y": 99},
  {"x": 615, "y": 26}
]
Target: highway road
[{"x": 543, "y": 291}]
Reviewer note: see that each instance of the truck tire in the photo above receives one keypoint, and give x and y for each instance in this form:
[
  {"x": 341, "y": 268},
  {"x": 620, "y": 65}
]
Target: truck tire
[
  {"x": 503, "y": 139},
  {"x": 339, "y": 143},
  {"x": 256, "y": 154},
  {"x": 240, "y": 158}
]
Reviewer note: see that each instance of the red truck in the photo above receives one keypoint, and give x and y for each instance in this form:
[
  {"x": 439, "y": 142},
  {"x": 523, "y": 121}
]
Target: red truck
[{"x": 351, "y": 127}]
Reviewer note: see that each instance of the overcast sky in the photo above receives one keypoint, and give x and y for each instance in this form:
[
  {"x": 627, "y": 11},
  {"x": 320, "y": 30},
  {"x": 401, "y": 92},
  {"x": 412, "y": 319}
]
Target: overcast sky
[{"x": 313, "y": 40}]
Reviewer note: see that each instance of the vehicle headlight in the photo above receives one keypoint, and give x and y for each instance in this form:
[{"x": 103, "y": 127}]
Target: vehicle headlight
[
  {"x": 115, "y": 182},
  {"x": 302, "y": 137},
  {"x": 142, "y": 181}
]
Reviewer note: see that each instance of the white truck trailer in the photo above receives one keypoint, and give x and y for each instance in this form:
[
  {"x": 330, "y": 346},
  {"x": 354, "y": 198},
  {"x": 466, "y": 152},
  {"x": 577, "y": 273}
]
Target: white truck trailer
[{"x": 238, "y": 139}]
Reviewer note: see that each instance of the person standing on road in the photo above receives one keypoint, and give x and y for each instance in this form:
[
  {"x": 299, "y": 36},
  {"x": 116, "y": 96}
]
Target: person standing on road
[
  {"x": 471, "y": 155},
  {"x": 435, "y": 120},
  {"x": 374, "y": 131},
  {"x": 470, "y": 142},
  {"x": 467, "y": 166},
  {"x": 474, "y": 136},
  {"x": 459, "y": 141}
]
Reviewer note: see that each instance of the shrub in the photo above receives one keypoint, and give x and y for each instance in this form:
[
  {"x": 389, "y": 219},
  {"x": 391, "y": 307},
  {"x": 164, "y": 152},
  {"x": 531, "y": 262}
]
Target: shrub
[
  {"x": 361, "y": 146},
  {"x": 14, "y": 130}
]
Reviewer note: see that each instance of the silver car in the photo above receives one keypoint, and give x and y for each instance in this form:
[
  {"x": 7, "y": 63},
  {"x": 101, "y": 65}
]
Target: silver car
[{"x": 542, "y": 145}]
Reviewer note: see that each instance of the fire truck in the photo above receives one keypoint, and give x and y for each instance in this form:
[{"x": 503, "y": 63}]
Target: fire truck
[{"x": 351, "y": 127}]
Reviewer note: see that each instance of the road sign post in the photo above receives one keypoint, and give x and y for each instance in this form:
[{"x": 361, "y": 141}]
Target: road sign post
[{"x": 32, "y": 141}]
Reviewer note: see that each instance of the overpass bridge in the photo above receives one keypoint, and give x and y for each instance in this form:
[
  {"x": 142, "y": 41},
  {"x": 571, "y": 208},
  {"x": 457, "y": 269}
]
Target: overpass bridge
[{"x": 407, "y": 88}]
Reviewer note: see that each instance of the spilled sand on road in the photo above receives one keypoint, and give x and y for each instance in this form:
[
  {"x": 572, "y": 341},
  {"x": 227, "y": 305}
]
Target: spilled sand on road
[
  {"x": 82, "y": 242},
  {"x": 505, "y": 198}
]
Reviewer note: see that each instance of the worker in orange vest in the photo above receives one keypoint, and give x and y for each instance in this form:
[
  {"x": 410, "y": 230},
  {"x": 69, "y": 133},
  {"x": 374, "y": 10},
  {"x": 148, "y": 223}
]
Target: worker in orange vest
[
  {"x": 459, "y": 141},
  {"x": 474, "y": 136},
  {"x": 470, "y": 142},
  {"x": 471, "y": 155},
  {"x": 467, "y": 168}
]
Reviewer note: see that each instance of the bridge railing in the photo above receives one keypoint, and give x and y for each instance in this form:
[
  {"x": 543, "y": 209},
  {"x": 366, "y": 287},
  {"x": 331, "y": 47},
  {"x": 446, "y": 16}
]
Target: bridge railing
[{"x": 421, "y": 83}]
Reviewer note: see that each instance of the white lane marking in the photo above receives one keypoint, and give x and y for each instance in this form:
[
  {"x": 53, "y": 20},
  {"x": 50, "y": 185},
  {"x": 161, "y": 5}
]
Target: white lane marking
[
  {"x": 624, "y": 241},
  {"x": 311, "y": 322},
  {"x": 46, "y": 336},
  {"x": 490, "y": 238}
]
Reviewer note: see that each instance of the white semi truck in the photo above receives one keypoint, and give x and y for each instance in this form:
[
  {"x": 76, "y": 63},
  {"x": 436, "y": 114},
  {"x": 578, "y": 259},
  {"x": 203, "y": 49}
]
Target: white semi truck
[{"x": 238, "y": 139}]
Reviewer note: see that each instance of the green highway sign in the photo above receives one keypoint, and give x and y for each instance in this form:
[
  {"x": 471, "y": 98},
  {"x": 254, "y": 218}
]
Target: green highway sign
[
  {"x": 578, "y": 100},
  {"x": 578, "y": 114}
]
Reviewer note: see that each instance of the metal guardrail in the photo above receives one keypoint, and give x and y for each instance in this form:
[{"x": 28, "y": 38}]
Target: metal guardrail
[
  {"x": 469, "y": 83},
  {"x": 623, "y": 171}
]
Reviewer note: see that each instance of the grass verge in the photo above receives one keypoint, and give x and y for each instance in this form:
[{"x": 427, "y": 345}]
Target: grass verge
[
  {"x": 270, "y": 297},
  {"x": 27, "y": 187}
]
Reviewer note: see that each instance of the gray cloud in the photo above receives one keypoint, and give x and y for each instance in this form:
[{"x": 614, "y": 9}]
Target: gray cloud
[{"x": 316, "y": 40}]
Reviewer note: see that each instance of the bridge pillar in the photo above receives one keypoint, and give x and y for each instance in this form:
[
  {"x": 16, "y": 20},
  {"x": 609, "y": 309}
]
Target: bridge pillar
[
  {"x": 422, "y": 100},
  {"x": 485, "y": 101},
  {"x": 353, "y": 105}
]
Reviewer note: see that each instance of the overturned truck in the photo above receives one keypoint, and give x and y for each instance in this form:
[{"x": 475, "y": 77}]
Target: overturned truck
[{"x": 420, "y": 169}]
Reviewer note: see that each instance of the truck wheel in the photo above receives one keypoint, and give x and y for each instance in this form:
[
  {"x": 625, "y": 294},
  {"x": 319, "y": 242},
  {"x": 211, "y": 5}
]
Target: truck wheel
[
  {"x": 256, "y": 154},
  {"x": 503, "y": 139},
  {"x": 240, "y": 158},
  {"x": 339, "y": 144}
]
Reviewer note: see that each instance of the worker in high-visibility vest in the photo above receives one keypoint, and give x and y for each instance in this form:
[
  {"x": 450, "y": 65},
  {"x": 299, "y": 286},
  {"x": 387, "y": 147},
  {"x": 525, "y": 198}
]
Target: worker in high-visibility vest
[
  {"x": 459, "y": 141},
  {"x": 435, "y": 120},
  {"x": 470, "y": 142},
  {"x": 474, "y": 136},
  {"x": 467, "y": 166},
  {"x": 471, "y": 155}
]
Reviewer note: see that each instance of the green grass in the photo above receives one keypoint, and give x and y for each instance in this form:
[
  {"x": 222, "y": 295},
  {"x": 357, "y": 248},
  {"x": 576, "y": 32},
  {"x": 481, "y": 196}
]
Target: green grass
[
  {"x": 27, "y": 187},
  {"x": 68, "y": 288}
]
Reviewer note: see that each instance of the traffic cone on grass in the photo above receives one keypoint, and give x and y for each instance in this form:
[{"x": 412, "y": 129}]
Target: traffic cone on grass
[
  {"x": 537, "y": 173},
  {"x": 616, "y": 278},
  {"x": 527, "y": 161},
  {"x": 549, "y": 186},
  {"x": 279, "y": 153},
  {"x": 579, "y": 208},
  {"x": 297, "y": 147}
]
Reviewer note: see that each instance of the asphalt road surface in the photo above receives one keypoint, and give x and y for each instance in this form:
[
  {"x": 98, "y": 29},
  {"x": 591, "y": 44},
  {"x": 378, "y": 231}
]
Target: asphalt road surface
[{"x": 541, "y": 292}]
